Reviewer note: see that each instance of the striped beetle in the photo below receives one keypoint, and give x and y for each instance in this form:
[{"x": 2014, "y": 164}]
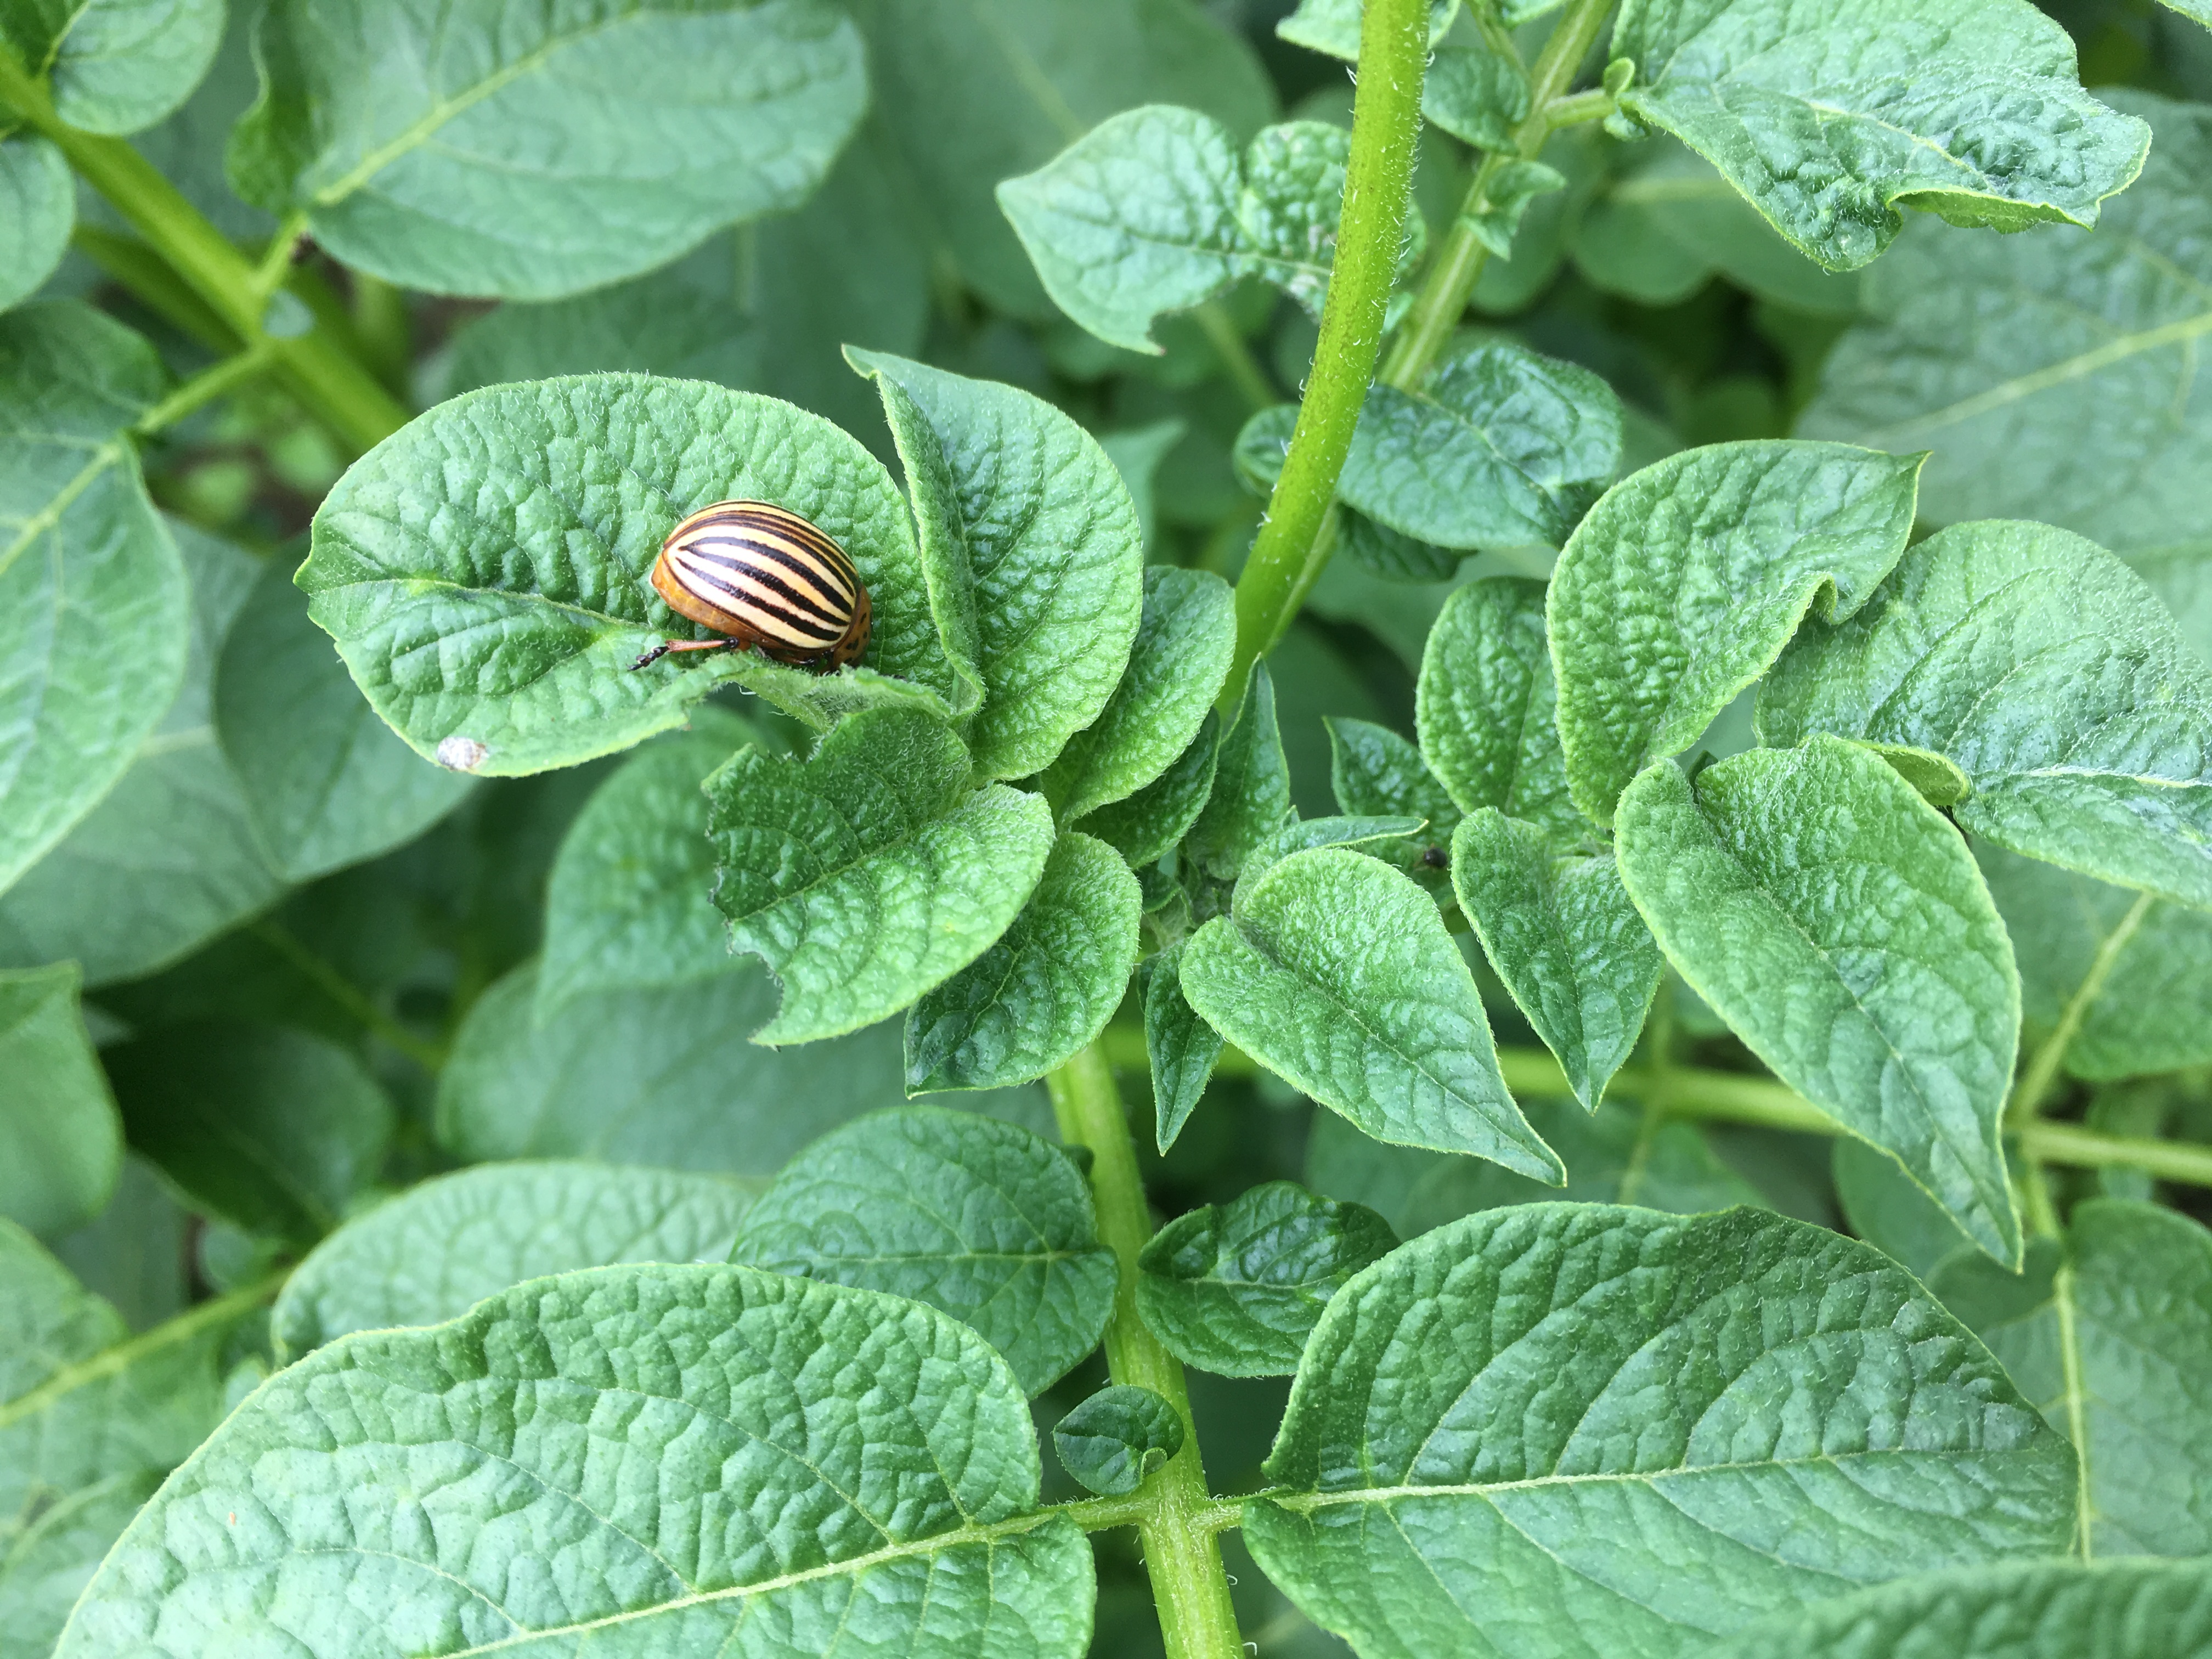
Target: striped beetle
[{"x": 768, "y": 579}]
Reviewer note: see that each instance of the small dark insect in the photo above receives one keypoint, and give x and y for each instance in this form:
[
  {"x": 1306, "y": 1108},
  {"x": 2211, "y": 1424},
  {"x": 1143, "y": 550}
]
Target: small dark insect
[
  {"x": 768, "y": 579},
  {"x": 1435, "y": 857}
]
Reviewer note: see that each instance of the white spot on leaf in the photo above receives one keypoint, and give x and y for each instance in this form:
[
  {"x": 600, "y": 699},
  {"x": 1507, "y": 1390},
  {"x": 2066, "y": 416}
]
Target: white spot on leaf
[{"x": 460, "y": 754}]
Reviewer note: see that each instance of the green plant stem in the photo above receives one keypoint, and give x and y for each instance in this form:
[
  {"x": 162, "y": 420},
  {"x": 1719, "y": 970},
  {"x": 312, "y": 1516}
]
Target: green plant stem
[
  {"x": 1182, "y": 1555},
  {"x": 334, "y": 388},
  {"x": 2035, "y": 1083},
  {"x": 1236, "y": 353},
  {"x": 203, "y": 387},
  {"x": 143, "y": 275},
  {"x": 1386, "y": 122},
  {"x": 430, "y": 1056}
]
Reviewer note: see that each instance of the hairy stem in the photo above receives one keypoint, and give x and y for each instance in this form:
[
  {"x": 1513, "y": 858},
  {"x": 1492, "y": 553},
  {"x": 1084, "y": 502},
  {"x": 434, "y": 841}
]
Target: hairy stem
[
  {"x": 1386, "y": 121},
  {"x": 1174, "y": 1507}
]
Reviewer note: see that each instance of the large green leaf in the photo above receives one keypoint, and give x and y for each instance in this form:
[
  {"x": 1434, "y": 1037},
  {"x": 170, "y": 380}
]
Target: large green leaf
[
  {"x": 170, "y": 857},
  {"x": 1563, "y": 1429},
  {"x": 2043, "y": 669},
  {"x": 1838, "y": 925},
  {"x": 872, "y": 871},
  {"x": 2110, "y": 1335},
  {"x": 1035, "y": 560},
  {"x": 484, "y": 568},
  {"x": 1048, "y": 985},
  {"x": 2023, "y": 1610},
  {"x": 630, "y": 903},
  {"x": 984, "y": 1220},
  {"x": 114, "y": 66},
  {"x": 1688, "y": 578},
  {"x": 675, "y": 120},
  {"x": 38, "y": 202},
  {"x": 327, "y": 783},
  {"x": 1832, "y": 118},
  {"x": 647, "y": 1459},
  {"x": 1336, "y": 973},
  {"x": 2054, "y": 375},
  {"x": 61, "y": 1142},
  {"x": 84, "y": 561},
  {"x": 438, "y": 1249}
]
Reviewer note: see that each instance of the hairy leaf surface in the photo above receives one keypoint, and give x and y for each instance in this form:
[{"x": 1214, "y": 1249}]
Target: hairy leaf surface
[
  {"x": 1251, "y": 785},
  {"x": 1486, "y": 707}
]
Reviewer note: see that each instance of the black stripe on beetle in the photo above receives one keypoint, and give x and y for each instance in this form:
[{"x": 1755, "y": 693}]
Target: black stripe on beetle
[{"x": 766, "y": 580}]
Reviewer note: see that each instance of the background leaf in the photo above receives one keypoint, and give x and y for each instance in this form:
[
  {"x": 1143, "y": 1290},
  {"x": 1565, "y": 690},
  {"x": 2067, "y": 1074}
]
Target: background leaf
[
  {"x": 38, "y": 200},
  {"x": 61, "y": 1142},
  {"x": 114, "y": 66}
]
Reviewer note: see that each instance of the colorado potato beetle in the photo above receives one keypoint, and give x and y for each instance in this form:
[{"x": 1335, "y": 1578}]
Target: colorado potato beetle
[{"x": 766, "y": 579}]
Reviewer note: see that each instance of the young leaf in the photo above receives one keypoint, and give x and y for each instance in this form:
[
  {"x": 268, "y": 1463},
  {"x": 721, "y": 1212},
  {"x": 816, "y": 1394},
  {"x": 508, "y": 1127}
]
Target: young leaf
[
  {"x": 2024, "y": 1610},
  {"x": 838, "y": 1467},
  {"x": 114, "y": 66},
  {"x": 1967, "y": 108},
  {"x": 1155, "y": 211},
  {"x": 1562, "y": 934},
  {"x": 445, "y": 177},
  {"x": 1336, "y": 973},
  {"x": 1047, "y": 986},
  {"x": 1175, "y": 669},
  {"x": 2130, "y": 1292},
  {"x": 39, "y": 199},
  {"x": 1235, "y": 1289},
  {"x": 1598, "y": 1428},
  {"x": 1035, "y": 564},
  {"x": 1688, "y": 578},
  {"x": 1116, "y": 1437},
  {"x": 484, "y": 571},
  {"x": 170, "y": 857},
  {"x": 630, "y": 903},
  {"x": 1500, "y": 449},
  {"x": 61, "y": 1142},
  {"x": 327, "y": 783},
  {"x": 2043, "y": 667},
  {"x": 1145, "y": 826},
  {"x": 1485, "y": 707},
  {"x": 871, "y": 872},
  {"x": 438, "y": 1249},
  {"x": 273, "y": 1130},
  {"x": 1839, "y": 925},
  {"x": 984, "y": 1220},
  {"x": 1180, "y": 1047},
  {"x": 73, "y": 380},
  {"x": 1251, "y": 795}
]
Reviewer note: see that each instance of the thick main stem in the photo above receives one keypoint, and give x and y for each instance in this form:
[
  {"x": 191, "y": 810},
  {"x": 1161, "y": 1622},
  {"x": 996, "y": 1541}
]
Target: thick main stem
[{"x": 1182, "y": 1556}]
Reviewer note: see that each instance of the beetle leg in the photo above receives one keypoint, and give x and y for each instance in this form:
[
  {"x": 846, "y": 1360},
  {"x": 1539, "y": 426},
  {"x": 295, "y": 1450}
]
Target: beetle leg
[{"x": 668, "y": 646}]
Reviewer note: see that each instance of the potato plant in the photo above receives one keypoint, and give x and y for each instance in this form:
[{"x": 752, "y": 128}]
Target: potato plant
[{"x": 1510, "y": 915}]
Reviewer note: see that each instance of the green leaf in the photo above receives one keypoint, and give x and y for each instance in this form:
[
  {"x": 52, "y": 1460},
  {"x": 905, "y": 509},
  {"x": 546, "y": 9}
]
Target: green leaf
[
  {"x": 326, "y": 782},
  {"x": 1838, "y": 923},
  {"x": 271, "y": 1129},
  {"x": 484, "y": 569},
  {"x": 1180, "y": 1047},
  {"x": 1562, "y": 934},
  {"x": 2046, "y": 670},
  {"x": 1036, "y": 563},
  {"x": 114, "y": 66},
  {"x": 91, "y": 1418},
  {"x": 1485, "y": 707},
  {"x": 630, "y": 904},
  {"x": 1335, "y": 972},
  {"x": 1608, "y": 1430},
  {"x": 1176, "y": 666},
  {"x": 71, "y": 381},
  {"x": 170, "y": 857},
  {"x": 2026, "y": 1610},
  {"x": 984, "y": 1220},
  {"x": 2054, "y": 375},
  {"x": 1686, "y": 581},
  {"x": 731, "y": 1460},
  {"x": 1372, "y": 836},
  {"x": 1831, "y": 121},
  {"x": 1155, "y": 211},
  {"x": 1374, "y": 772},
  {"x": 1116, "y": 1437},
  {"x": 2131, "y": 1292},
  {"x": 663, "y": 1076},
  {"x": 61, "y": 1141},
  {"x": 1251, "y": 796},
  {"x": 1137, "y": 454},
  {"x": 1145, "y": 826},
  {"x": 1887, "y": 1209},
  {"x": 438, "y": 1249},
  {"x": 2150, "y": 1012},
  {"x": 871, "y": 872},
  {"x": 1045, "y": 988},
  {"x": 38, "y": 201},
  {"x": 1332, "y": 26},
  {"x": 448, "y": 178},
  {"x": 1235, "y": 1289}
]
